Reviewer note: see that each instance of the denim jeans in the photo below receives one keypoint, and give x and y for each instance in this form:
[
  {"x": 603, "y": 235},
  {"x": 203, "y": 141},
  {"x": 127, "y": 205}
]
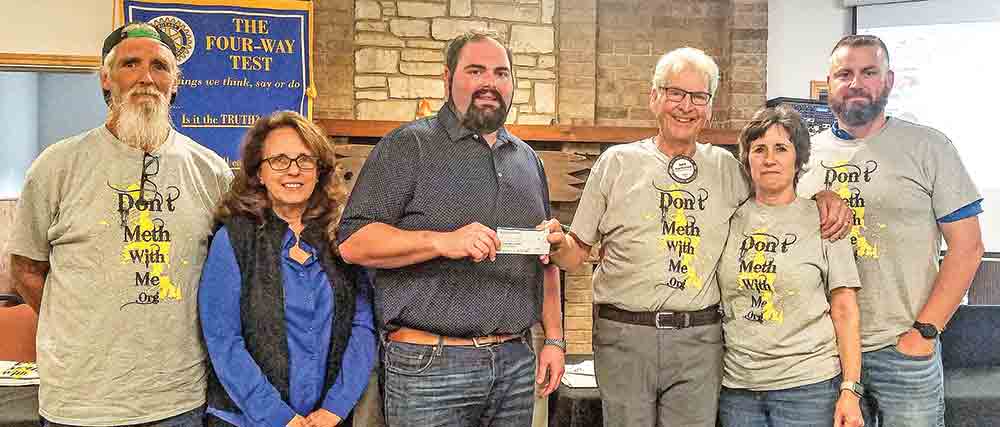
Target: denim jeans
[
  {"x": 902, "y": 390},
  {"x": 459, "y": 386},
  {"x": 809, "y": 405},
  {"x": 192, "y": 418}
]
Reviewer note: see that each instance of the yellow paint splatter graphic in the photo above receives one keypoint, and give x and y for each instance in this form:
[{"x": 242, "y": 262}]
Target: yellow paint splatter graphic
[
  {"x": 681, "y": 236},
  {"x": 147, "y": 246},
  {"x": 756, "y": 276},
  {"x": 862, "y": 246}
]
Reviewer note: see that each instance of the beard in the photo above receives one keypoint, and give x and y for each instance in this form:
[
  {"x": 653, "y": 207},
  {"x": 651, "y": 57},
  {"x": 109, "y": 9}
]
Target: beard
[
  {"x": 859, "y": 115},
  {"x": 143, "y": 124},
  {"x": 484, "y": 120}
]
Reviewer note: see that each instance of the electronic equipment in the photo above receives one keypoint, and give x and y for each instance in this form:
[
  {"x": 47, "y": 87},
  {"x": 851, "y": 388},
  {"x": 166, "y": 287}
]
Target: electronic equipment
[{"x": 816, "y": 114}]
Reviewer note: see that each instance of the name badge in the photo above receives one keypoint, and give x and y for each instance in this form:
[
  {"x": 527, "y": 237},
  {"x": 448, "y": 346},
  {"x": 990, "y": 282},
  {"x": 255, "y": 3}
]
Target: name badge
[
  {"x": 524, "y": 241},
  {"x": 682, "y": 169}
]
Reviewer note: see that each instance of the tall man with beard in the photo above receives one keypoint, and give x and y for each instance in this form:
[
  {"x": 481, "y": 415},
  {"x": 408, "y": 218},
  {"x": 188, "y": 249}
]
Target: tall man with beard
[
  {"x": 113, "y": 226},
  {"x": 424, "y": 211},
  {"x": 908, "y": 188}
]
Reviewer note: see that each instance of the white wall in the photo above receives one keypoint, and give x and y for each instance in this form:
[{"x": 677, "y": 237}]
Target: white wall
[
  {"x": 18, "y": 130},
  {"x": 56, "y": 27},
  {"x": 800, "y": 35},
  {"x": 68, "y": 103}
]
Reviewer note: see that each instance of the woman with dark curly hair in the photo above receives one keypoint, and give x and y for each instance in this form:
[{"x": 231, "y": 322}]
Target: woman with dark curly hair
[{"x": 288, "y": 325}]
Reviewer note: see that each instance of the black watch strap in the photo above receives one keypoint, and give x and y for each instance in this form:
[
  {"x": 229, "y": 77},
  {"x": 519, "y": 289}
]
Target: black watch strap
[{"x": 927, "y": 330}]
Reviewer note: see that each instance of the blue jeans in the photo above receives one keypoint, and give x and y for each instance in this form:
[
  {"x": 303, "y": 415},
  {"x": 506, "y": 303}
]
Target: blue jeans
[
  {"x": 192, "y": 418},
  {"x": 902, "y": 390},
  {"x": 458, "y": 386},
  {"x": 809, "y": 405}
]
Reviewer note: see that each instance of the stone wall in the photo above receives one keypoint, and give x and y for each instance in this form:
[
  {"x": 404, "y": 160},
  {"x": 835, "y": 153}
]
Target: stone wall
[
  {"x": 333, "y": 58},
  {"x": 633, "y": 34},
  {"x": 578, "y": 62},
  {"x": 398, "y": 54}
]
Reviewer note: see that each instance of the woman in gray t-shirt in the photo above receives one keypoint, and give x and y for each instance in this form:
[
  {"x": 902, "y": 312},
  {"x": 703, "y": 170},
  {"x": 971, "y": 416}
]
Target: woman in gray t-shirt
[{"x": 792, "y": 346}]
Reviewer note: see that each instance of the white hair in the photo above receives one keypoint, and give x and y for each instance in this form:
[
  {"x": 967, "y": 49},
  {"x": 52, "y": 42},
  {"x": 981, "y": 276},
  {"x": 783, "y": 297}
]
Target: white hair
[
  {"x": 684, "y": 59},
  {"x": 109, "y": 60}
]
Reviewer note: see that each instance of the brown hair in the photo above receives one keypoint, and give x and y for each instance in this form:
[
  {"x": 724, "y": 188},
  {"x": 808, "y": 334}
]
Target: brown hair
[
  {"x": 782, "y": 116},
  {"x": 248, "y": 196},
  {"x": 864, "y": 40},
  {"x": 454, "y": 47}
]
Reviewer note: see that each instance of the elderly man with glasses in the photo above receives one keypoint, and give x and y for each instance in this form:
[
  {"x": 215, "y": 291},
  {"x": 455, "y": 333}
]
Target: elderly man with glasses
[
  {"x": 660, "y": 208},
  {"x": 113, "y": 226}
]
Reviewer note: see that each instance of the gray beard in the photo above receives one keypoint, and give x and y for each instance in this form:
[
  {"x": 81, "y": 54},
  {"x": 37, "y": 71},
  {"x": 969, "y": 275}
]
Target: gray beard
[
  {"x": 862, "y": 115},
  {"x": 142, "y": 126}
]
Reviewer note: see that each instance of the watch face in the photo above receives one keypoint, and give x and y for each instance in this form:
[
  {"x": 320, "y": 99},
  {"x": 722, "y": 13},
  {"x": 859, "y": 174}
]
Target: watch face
[{"x": 926, "y": 330}]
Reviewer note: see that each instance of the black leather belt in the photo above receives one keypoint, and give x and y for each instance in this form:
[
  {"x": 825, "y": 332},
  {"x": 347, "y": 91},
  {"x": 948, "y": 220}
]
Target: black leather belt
[{"x": 662, "y": 319}]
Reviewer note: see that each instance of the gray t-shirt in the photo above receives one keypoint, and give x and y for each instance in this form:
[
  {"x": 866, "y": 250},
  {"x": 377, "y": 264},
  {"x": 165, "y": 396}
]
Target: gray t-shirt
[
  {"x": 776, "y": 275},
  {"x": 125, "y": 235},
  {"x": 898, "y": 182},
  {"x": 661, "y": 239}
]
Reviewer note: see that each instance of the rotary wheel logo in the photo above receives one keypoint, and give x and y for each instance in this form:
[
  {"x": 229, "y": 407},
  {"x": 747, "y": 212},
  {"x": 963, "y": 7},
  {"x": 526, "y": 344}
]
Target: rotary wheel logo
[{"x": 180, "y": 32}]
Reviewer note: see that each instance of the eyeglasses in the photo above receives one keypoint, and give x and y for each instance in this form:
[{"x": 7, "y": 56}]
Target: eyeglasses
[
  {"x": 674, "y": 94},
  {"x": 150, "y": 167},
  {"x": 282, "y": 162}
]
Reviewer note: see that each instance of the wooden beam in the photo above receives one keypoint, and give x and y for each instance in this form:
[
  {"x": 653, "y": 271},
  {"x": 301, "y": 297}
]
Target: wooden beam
[
  {"x": 557, "y": 133},
  {"x": 33, "y": 61}
]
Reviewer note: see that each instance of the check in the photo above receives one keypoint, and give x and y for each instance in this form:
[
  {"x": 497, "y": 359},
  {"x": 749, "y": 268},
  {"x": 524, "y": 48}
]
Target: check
[{"x": 523, "y": 241}]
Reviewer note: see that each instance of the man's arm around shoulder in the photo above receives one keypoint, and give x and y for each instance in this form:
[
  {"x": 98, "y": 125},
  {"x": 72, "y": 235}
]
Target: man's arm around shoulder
[{"x": 29, "y": 278}]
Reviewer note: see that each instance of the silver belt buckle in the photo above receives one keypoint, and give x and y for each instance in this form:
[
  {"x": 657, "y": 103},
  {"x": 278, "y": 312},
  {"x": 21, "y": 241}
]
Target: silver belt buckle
[
  {"x": 477, "y": 344},
  {"x": 685, "y": 324}
]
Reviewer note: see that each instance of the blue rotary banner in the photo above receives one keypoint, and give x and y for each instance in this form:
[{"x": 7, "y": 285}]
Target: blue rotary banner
[{"x": 239, "y": 60}]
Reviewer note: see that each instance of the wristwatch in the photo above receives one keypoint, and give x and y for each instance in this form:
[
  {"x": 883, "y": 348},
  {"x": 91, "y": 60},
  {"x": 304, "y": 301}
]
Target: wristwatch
[
  {"x": 558, "y": 342},
  {"x": 926, "y": 330},
  {"x": 853, "y": 387}
]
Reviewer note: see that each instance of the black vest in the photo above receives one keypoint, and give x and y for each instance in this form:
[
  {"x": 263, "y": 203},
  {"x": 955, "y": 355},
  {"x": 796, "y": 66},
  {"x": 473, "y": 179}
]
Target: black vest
[{"x": 262, "y": 302}]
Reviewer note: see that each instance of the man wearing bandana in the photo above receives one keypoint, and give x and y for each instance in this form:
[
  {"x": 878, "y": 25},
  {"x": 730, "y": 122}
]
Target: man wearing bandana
[
  {"x": 424, "y": 212},
  {"x": 660, "y": 210},
  {"x": 113, "y": 226}
]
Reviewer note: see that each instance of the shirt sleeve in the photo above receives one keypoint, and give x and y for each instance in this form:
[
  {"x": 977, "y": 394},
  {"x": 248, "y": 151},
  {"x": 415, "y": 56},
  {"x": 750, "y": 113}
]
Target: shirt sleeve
[
  {"x": 841, "y": 268},
  {"x": 593, "y": 202},
  {"x": 219, "y": 307},
  {"x": 225, "y": 179},
  {"x": 359, "y": 356},
  {"x": 952, "y": 186},
  {"x": 545, "y": 188},
  {"x": 36, "y": 211},
  {"x": 385, "y": 184}
]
